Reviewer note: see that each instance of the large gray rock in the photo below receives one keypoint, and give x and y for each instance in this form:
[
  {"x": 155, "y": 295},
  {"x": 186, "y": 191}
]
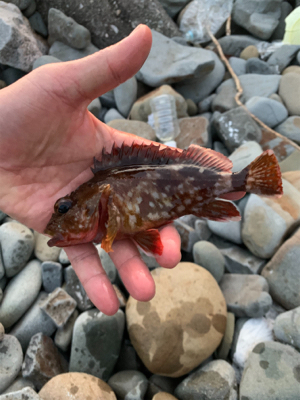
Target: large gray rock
[
  {"x": 233, "y": 45},
  {"x": 66, "y": 53},
  {"x": 18, "y": 384},
  {"x": 170, "y": 62},
  {"x": 259, "y": 17},
  {"x": 269, "y": 111},
  {"x": 51, "y": 275},
  {"x": 282, "y": 57},
  {"x": 287, "y": 327},
  {"x": 11, "y": 357},
  {"x": 44, "y": 60},
  {"x": 290, "y": 128},
  {"x": 19, "y": 47}
]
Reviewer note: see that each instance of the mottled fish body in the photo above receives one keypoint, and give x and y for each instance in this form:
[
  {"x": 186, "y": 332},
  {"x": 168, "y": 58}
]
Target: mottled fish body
[{"x": 137, "y": 189}]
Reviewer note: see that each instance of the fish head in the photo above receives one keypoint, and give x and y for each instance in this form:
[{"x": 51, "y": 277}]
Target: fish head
[{"x": 78, "y": 216}]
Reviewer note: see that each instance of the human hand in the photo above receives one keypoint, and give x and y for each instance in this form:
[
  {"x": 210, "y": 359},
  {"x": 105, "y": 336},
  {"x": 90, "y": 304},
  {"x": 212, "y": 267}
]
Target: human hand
[{"x": 47, "y": 143}]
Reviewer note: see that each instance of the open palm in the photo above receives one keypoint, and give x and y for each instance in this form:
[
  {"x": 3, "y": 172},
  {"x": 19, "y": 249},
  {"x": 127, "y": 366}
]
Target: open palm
[{"x": 47, "y": 143}]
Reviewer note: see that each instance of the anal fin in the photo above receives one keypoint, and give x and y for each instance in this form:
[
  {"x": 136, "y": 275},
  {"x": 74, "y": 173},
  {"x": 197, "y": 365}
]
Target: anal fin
[
  {"x": 219, "y": 210},
  {"x": 149, "y": 241}
]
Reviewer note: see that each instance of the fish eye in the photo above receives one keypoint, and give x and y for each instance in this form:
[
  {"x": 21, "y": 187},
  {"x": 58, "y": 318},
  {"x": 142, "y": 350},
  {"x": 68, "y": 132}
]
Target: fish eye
[{"x": 63, "y": 206}]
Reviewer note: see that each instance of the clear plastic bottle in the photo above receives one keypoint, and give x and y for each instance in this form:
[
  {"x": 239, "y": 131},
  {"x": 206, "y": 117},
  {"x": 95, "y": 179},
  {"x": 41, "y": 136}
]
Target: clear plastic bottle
[{"x": 165, "y": 117}]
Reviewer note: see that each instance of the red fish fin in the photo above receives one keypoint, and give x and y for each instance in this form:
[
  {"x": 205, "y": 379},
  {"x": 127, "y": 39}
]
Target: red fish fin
[
  {"x": 264, "y": 176},
  {"x": 113, "y": 226},
  {"x": 154, "y": 154},
  {"x": 149, "y": 241},
  {"x": 219, "y": 210}
]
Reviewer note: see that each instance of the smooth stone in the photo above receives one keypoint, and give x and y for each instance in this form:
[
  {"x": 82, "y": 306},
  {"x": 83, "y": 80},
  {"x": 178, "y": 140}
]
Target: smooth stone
[
  {"x": 128, "y": 359},
  {"x": 267, "y": 220},
  {"x": 244, "y": 155},
  {"x": 63, "y": 258},
  {"x": 11, "y": 75},
  {"x": 94, "y": 107},
  {"x": 66, "y": 53},
  {"x": 233, "y": 45},
  {"x": 163, "y": 396},
  {"x": 192, "y": 108},
  {"x": 21, "y": 4},
  {"x": 66, "y": 30},
  {"x": 293, "y": 177},
  {"x": 2, "y": 332},
  {"x": 188, "y": 235},
  {"x": 18, "y": 384},
  {"x": 125, "y": 95},
  {"x": 173, "y": 7},
  {"x": 290, "y": 128},
  {"x": 42, "y": 251},
  {"x": 108, "y": 99},
  {"x": 290, "y": 69},
  {"x": 287, "y": 327},
  {"x": 169, "y": 62},
  {"x": 160, "y": 384},
  {"x": 74, "y": 287},
  {"x": 238, "y": 65},
  {"x": 236, "y": 127},
  {"x": 205, "y": 104},
  {"x": 249, "y": 52},
  {"x": 216, "y": 380},
  {"x": 282, "y": 273},
  {"x": 202, "y": 229},
  {"x": 17, "y": 242},
  {"x": 182, "y": 325},
  {"x": 260, "y": 18},
  {"x": 269, "y": 111},
  {"x": 20, "y": 293},
  {"x": 44, "y": 60},
  {"x": 3, "y": 282},
  {"x": 51, "y": 275},
  {"x": 291, "y": 163},
  {"x": 26, "y": 393},
  {"x": 271, "y": 371},
  {"x": 63, "y": 335},
  {"x": 256, "y": 66},
  {"x": 198, "y": 88},
  {"x": 139, "y": 128},
  {"x": 149, "y": 260},
  {"x": 35, "y": 368},
  {"x": 228, "y": 230},
  {"x": 225, "y": 346},
  {"x": 193, "y": 130},
  {"x": 19, "y": 46},
  {"x": 121, "y": 296},
  {"x": 282, "y": 57},
  {"x": 107, "y": 264},
  {"x": 246, "y": 295},
  {"x": 2, "y": 216},
  {"x": 129, "y": 385},
  {"x": 286, "y": 9},
  {"x": 220, "y": 148},
  {"x": 289, "y": 91},
  {"x": 37, "y": 24},
  {"x": 241, "y": 261},
  {"x": 76, "y": 386},
  {"x": 96, "y": 343},
  {"x": 276, "y": 97},
  {"x": 208, "y": 256},
  {"x": 255, "y": 85},
  {"x": 2, "y": 272},
  {"x": 11, "y": 357},
  {"x": 59, "y": 306},
  {"x": 111, "y": 115},
  {"x": 30, "y": 9},
  {"x": 141, "y": 109},
  {"x": 224, "y": 100}
]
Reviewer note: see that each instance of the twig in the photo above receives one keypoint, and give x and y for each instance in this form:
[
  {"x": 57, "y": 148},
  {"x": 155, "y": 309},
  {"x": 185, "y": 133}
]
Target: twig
[
  {"x": 228, "y": 26},
  {"x": 240, "y": 92}
]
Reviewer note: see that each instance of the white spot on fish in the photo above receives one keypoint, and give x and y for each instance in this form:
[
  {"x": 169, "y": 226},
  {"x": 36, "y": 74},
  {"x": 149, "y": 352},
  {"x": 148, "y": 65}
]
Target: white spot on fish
[
  {"x": 132, "y": 220},
  {"x": 187, "y": 201},
  {"x": 167, "y": 188},
  {"x": 165, "y": 214},
  {"x": 130, "y": 194},
  {"x": 180, "y": 186},
  {"x": 137, "y": 208},
  {"x": 155, "y": 195},
  {"x": 168, "y": 203},
  {"x": 153, "y": 216},
  {"x": 201, "y": 170},
  {"x": 139, "y": 199},
  {"x": 151, "y": 204},
  {"x": 199, "y": 198},
  {"x": 180, "y": 208}
]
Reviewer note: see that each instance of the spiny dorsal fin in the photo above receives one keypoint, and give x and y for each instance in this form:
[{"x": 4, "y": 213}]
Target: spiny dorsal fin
[{"x": 145, "y": 154}]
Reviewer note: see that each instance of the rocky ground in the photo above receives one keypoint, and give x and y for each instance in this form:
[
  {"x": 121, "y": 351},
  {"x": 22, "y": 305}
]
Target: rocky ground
[{"x": 225, "y": 323}]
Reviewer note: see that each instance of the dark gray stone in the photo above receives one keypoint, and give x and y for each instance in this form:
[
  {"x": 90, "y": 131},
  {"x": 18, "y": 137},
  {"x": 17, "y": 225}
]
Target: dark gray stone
[
  {"x": 269, "y": 111},
  {"x": 290, "y": 128},
  {"x": 111, "y": 115},
  {"x": 51, "y": 275},
  {"x": 37, "y": 24},
  {"x": 282, "y": 57},
  {"x": 173, "y": 6},
  {"x": 75, "y": 289},
  {"x": 11, "y": 357},
  {"x": 30, "y": 9},
  {"x": 94, "y": 107},
  {"x": 125, "y": 95},
  {"x": 256, "y": 66},
  {"x": 279, "y": 31},
  {"x": 11, "y": 75},
  {"x": 233, "y": 45},
  {"x": 129, "y": 385}
]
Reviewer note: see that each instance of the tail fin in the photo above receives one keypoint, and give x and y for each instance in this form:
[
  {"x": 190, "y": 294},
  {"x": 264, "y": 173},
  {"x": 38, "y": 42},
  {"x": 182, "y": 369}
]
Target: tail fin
[{"x": 264, "y": 176}]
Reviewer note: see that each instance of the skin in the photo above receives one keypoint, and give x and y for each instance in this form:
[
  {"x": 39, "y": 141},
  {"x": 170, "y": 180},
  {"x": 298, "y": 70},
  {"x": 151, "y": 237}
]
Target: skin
[{"x": 47, "y": 143}]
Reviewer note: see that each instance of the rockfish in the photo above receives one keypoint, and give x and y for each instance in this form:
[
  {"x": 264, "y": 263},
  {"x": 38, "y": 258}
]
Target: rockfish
[{"x": 139, "y": 188}]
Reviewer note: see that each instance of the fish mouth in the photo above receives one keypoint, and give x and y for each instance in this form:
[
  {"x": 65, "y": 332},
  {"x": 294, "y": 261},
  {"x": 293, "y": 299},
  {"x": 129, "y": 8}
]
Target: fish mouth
[{"x": 57, "y": 240}]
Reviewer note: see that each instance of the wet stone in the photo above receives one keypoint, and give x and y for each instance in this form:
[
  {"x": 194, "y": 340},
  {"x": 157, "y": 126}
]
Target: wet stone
[
  {"x": 129, "y": 385},
  {"x": 63, "y": 336},
  {"x": 42, "y": 348},
  {"x": 51, "y": 275},
  {"x": 59, "y": 305},
  {"x": 75, "y": 289},
  {"x": 11, "y": 357},
  {"x": 26, "y": 393}
]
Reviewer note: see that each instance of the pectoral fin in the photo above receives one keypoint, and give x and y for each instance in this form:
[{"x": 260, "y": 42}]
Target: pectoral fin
[
  {"x": 113, "y": 225},
  {"x": 150, "y": 241}
]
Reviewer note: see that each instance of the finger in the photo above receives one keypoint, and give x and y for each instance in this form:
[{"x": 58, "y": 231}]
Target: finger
[
  {"x": 133, "y": 271},
  {"x": 86, "y": 263},
  {"x": 171, "y": 255},
  {"x": 233, "y": 196}
]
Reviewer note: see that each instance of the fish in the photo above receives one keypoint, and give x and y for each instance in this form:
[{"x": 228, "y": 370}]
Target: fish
[{"x": 137, "y": 189}]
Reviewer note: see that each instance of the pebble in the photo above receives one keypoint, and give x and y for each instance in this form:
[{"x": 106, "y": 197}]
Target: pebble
[
  {"x": 238, "y": 65},
  {"x": 249, "y": 52},
  {"x": 290, "y": 128},
  {"x": 239, "y": 260},
  {"x": 51, "y": 275},
  {"x": 11, "y": 357},
  {"x": 279, "y": 31},
  {"x": 66, "y": 30},
  {"x": 128, "y": 359},
  {"x": 41, "y": 348},
  {"x": 21, "y": 4},
  {"x": 37, "y": 24},
  {"x": 246, "y": 295},
  {"x": 108, "y": 99},
  {"x": 75, "y": 289},
  {"x": 289, "y": 91},
  {"x": 291, "y": 68},
  {"x": 129, "y": 385},
  {"x": 193, "y": 130},
  {"x": 96, "y": 343},
  {"x": 220, "y": 148},
  {"x": 17, "y": 243},
  {"x": 267, "y": 220},
  {"x": 76, "y": 386},
  {"x": 66, "y": 53},
  {"x": 188, "y": 235},
  {"x": 202, "y": 229},
  {"x": 228, "y": 230},
  {"x": 18, "y": 384},
  {"x": 205, "y": 104},
  {"x": 291, "y": 163},
  {"x": 233, "y": 45},
  {"x": 2, "y": 332},
  {"x": 63, "y": 335},
  {"x": 94, "y": 107},
  {"x": 121, "y": 296},
  {"x": 2, "y": 86},
  {"x": 287, "y": 327},
  {"x": 208, "y": 256},
  {"x": 225, "y": 100},
  {"x": 139, "y": 128},
  {"x": 44, "y": 60},
  {"x": 125, "y": 95},
  {"x": 63, "y": 258},
  {"x": 276, "y": 97},
  {"x": 192, "y": 108},
  {"x": 256, "y": 66},
  {"x": 11, "y": 75},
  {"x": 164, "y": 396},
  {"x": 2, "y": 216},
  {"x": 26, "y": 393},
  {"x": 42, "y": 251},
  {"x": 34, "y": 321},
  {"x": 269, "y": 111},
  {"x": 170, "y": 333},
  {"x": 20, "y": 293},
  {"x": 293, "y": 177},
  {"x": 282, "y": 57},
  {"x": 244, "y": 155},
  {"x": 271, "y": 371},
  {"x": 159, "y": 384},
  {"x": 225, "y": 346},
  {"x": 59, "y": 306},
  {"x": 216, "y": 380},
  {"x": 169, "y": 62},
  {"x": 30, "y": 9},
  {"x": 111, "y": 115},
  {"x": 173, "y": 7},
  {"x": 282, "y": 273}
]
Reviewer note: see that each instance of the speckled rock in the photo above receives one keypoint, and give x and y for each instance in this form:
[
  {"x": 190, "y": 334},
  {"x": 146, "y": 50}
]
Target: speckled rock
[
  {"x": 78, "y": 386},
  {"x": 246, "y": 295},
  {"x": 282, "y": 273},
  {"x": 125, "y": 95},
  {"x": 129, "y": 385},
  {"x": 63, "y": 336},
  {"x": 216, "y": 380},
  {"x": 96, "y": 343},
  {"x": 11, "y": 357},
  {"x": 271, "y": 371},
  {"x": 193, "y": 130},
  {"x": 51, "y": 275},
  {"x": 41, "y": 347},
  {"x": 289, "y": 91},
  {"x": 42, "y": 251},
  {"x": 256, "y": 66},
  {"x": 26, "y": 393},
  {"x": 17, "y": 243},
  {"x": 208, "y": 256},
  {"x": 287, "y": 327},
  {"x": 290, "y": 128},
  {"x": 75, "y": 289},
  {"x": 139, "y": 128},
  {"x": 182, "y": 325},
  {"x": 20, "y": 293}
]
